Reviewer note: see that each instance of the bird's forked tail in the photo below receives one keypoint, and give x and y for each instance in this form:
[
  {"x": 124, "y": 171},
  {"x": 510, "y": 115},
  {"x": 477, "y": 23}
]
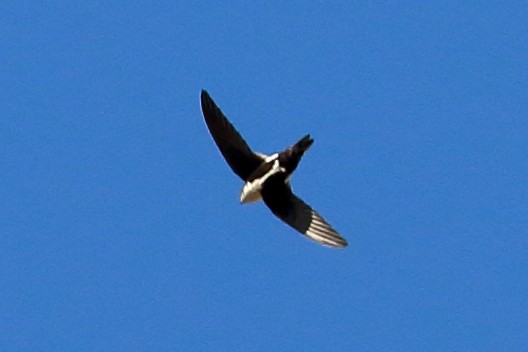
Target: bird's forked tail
[{"x": 302, "y": 145}]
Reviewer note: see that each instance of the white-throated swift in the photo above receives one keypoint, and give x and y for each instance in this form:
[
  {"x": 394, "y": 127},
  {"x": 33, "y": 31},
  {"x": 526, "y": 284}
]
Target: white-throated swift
[{"x": 267, "y": 177}]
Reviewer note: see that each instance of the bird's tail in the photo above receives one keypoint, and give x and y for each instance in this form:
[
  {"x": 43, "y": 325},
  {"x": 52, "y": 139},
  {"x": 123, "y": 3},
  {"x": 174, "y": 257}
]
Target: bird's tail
[{"x": 302, "y": 145}]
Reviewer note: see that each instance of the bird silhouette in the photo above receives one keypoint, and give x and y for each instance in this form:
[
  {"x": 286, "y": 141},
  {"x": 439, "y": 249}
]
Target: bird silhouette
[{"x": 267, "y": 177}]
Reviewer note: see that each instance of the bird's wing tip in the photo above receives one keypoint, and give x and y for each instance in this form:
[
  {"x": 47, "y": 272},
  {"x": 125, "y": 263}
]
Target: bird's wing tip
[
  {"x": 205, "y": 98},
  {"x": 342, "y": 245}
]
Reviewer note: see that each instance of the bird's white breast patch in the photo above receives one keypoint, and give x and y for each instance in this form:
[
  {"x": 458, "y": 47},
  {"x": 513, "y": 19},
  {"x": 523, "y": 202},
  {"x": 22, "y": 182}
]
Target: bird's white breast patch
[{"x": 251, "y": 190}]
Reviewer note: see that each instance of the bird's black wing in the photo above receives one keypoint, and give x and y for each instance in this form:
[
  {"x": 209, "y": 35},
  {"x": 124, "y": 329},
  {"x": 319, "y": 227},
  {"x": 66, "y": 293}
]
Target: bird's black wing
[
  {"x": 231, "y": 144},
  {"x": 279, "y": 197}
]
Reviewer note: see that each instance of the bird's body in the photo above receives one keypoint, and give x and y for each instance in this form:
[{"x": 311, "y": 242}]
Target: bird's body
[
  {"x": 267, "y": 178},
  {"x": 251, "y": 190}
]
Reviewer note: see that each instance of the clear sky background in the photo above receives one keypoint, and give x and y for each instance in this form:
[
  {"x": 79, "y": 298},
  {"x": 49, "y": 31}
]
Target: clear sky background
[{"x": 120, "y": 225}]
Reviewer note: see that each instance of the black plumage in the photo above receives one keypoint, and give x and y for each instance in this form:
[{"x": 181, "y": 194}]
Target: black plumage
[{"x": 267, "y": 177}]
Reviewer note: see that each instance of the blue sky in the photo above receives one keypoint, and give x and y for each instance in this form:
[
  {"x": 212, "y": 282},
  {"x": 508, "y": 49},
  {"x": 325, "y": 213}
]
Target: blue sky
[{"x": 120, "y": 224}]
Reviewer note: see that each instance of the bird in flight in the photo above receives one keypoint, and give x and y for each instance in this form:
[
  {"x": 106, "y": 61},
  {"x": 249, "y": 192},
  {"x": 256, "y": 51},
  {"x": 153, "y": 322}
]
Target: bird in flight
[{"x": 267, "y": 177}]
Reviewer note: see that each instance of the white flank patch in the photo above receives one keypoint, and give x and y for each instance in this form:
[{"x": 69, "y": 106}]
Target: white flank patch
[
  {"x": 271, "y": 157},
  {"x": 262, "y": 155}
]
